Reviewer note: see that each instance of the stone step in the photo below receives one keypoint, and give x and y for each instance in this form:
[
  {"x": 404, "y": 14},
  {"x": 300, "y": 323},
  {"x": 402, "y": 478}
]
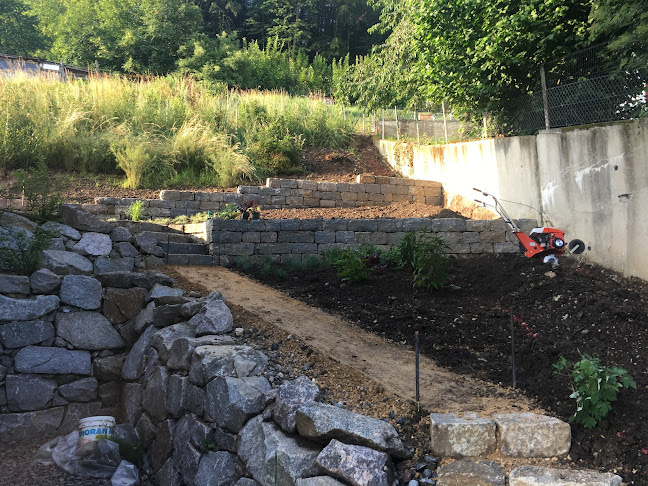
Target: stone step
[
  {"x": 188, "y": 259},
  {"x": 184, "y": 248}
]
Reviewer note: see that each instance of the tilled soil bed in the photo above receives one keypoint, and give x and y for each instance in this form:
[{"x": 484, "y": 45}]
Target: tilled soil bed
[{"x": 576, "y": 309}]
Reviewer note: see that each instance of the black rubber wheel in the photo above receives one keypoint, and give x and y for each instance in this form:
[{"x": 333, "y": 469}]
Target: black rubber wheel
[{"x": 576, "y": 246}]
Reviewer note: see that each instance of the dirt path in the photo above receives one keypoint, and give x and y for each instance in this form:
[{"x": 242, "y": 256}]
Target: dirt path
[{"x": 388, "y": 363}]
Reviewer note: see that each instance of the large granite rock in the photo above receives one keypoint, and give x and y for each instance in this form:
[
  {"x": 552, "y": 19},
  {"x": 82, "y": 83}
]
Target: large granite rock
[
  {"x": 121, "y": 305},
  {"x": 104, "y": 264},
  {"x": 468, "y": 473},
  {"x": 231, "y": 402},
  {"x": 189, "y": 432},
  {"x": 531, "y": 435},
  {"x": 66, "y": 263},
  {"x": 19, "y": 334},
  {"x": 62, "y": 229},
  {"x": 182, "y": 349},
  {"x": 83, "y": 220},
  {"x": 323, "y": 422},
  {"x": 540, "y": 476},
  {"x": 273, "y": 457},
  {"x": 120, "y": 234},
  {"x": 109, "y": 368},
  {"x": 28, "y": 392},
  {"x": 290, "y": 396},
  {"x": 88, "y": 330},
  {"x": 14, "y": 284},
  {"x": 133, "y": 369},
  {"x": 164, "y": 338},
  {"x": 319, "y": 481},
  {"x": 160, "y": 290},
  {"x": 93, "y": 244},
  {"x": 81, "y": 291},
  {"x": 461, "y": 436},
  {"x": 215, "y": 317},
  {"x": 154, "y": 394},
  {"x": 357, "y": 465},
  {"x": 19, "y": 426},
  {"x": 44, "y": 281},
  {"x": 126, "y": 250},
  {"x": 82, "y": 390},
  {"x": 183, "y": 396},
  {"x": 162, "y": 446},
  {"x": 226, "y": 360},
  {"x": 49, "y": 360},
  {"x": 218, "y": 469},
  {"x": 27, "y": 309},
  {"x": 133, "y": 402}
]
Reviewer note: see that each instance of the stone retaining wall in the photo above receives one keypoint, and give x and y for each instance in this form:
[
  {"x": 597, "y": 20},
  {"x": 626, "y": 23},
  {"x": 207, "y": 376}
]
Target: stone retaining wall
[
  {"x": 294, "y": 239},
  {"x": 280, "y": 194}
]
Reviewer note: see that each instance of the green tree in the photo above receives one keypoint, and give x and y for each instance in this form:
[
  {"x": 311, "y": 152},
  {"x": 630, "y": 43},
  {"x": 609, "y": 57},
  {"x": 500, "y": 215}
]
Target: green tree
[
  {"x": 624, "y": 23},
  {"x": 483, "y": 54},
  {"x": 18, "y": 32}
]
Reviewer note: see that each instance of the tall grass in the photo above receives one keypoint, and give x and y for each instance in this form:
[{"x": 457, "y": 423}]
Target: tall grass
[{"x": 160, "y": 132}]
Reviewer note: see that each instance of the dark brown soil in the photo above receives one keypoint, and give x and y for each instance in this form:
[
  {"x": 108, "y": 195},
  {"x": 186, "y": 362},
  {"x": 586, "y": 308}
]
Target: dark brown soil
[{"x": 577, "y": 309}]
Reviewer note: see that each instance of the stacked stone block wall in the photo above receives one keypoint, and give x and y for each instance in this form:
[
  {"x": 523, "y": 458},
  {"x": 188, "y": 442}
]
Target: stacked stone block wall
[
  {"x": 280, "y": 194},
  {"x": 294, "y": 239}
]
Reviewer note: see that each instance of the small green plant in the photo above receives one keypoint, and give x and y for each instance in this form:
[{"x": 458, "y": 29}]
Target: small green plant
[
  {"x": 230, "y": 211},
  {"x": 135, "y": 211},
  {"x": 42, "y": 191},
  {"x": 244, "y": 263},
  {"x": 22, "y": 253},
  {"x": 594, "y": 387},
  {"x": 425, "y": 255},
  {"x": 352, "y": 264}
]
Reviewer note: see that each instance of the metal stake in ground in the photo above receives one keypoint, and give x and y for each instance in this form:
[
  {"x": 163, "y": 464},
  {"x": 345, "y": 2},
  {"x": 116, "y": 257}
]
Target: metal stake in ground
[
  {"x": 513, "y": 349},
  {"x": 416, "y": 352}
]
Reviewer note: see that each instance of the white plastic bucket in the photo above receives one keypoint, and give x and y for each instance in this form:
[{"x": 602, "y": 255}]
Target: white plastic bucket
[{"x": 95, "y": 428}]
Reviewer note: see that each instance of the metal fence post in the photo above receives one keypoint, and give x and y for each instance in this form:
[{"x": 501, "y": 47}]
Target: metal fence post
[
  {"x": 545, "y": 96},
  {"x": 445, "y": 122}
]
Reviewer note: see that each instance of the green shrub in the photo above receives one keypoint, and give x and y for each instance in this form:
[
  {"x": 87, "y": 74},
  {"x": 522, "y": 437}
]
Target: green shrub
[
  {"x": 230, "y": 211},
  {"x": 136, "y": 211},
  {"x": 22, "y": 253},
  {"x": 42, "y": 191},
  {"x": 425, "y": 255},
  {"x": 594, "y": 387},
  {"x": 351, "y": 263}
]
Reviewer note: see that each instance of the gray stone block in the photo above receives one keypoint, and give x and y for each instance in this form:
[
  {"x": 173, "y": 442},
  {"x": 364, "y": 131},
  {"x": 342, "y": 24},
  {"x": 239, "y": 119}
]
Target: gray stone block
[
  {"x": 455, "y": 436},
  {"x": 290, "y": 396},
  {"x": 14, "y": 284},
  {"x": 28, "y": 392},
  {"x": 540, "y": 476},
  {"x": 66, "y": 263},
  {"x": 88, "y": 330},
  {"x": 19, "y": 334},
  {"x": 50, "y": 360},
  {"x": 164, "y": 338},
  {"x": 532, "y": 435},
  {"x": 357, "y": 465},
  {"x": 218, "y": 469},
  {"x": 231, "y": 402},
  {"x": 154, "y": 394},
  {"x": 83, "y": 390},
  {"x": 363, "y": 225},
  {"x": 94, "y": 244},
  {"x": 468, "y": 473},
  {"x": 226, "y": 360},
  {"x": 81, "y": 291},
  {"x": 44, "y": 281}
]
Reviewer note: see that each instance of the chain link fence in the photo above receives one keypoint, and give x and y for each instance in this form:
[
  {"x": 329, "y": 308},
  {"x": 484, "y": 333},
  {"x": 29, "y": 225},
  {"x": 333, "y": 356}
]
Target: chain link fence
[{"x": 582, "y": 88}]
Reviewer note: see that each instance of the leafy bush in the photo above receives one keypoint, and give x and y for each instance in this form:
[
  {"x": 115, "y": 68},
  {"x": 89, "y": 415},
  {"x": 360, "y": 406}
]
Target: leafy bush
[
  {"x": 135, "y": 211},
  {"x": 353, "y": 265},
  {"x": 42, "y": 191},
  {"x": 594, "y": 387},
  {"x": 425, "y": 255},
  {"x": 22, "y": 253}
]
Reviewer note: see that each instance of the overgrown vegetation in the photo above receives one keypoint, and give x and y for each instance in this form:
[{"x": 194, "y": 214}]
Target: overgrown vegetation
[
  {"x": 160, "y": 132},
  {"x": 594, "y": 387},
  {"x": 21, "y": 252},
  {"x": 135, "y": 211},
  {"x": 43, "y": 191}
]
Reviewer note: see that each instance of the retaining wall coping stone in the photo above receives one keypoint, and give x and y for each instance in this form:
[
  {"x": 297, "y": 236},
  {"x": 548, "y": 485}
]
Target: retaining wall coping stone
[{"x": 461, "y": 436}]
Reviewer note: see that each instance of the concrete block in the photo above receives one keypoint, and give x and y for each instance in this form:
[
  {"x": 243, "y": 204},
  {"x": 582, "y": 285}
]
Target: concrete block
[
  {"x": 310, "y": 224},
  {"x": 167, "y": 195},
  {"x": 300, "y": 248},
  {"x": 372, "y": 188},
  {"x": 327, "y": 203},
  {"x": 278, "y": 200},
  {"x": 307, "y": 185},
  {"x": 498, "y": 225},
  {"x": 201, "y": 260},
  {"x": 366, "y": 179},
  {"x": 345, "y": 187},
  {"x": 273, "y": 248},
  {"x": 327, "y": 186},
  {"x": 345, "y": 237},
  {"x": 415, "y": 191},
  {"x": 268, "y": 237},
  {"x": 376, "y": 197},
  {"x": 403, "y": 190},
  {"x": 335, "y": 224},
  {"x": 478, "y": 225},
  {"x": 382, "y": 180},
  {"x": 236, "y": 249},
  {"x": 251, "y": 237},
  {"x": 450, "y": 224},
  {"x": 363, "y": 196},
  {"x": 290, "y": 224},
  {"x": 459, "y": 248},
  {"x": 492, "y": 236},
  {"x": 296, "y": 237},
  {"x": 527, "y": 225},
  {"x": 399, "y": 197},
  {"x": 209, "y": 206},
  {"x": 394, "y": 238},
  {"x": 177, "y": 259},
  {"x": 387, "y": 189},
  {"x": 288, "y": 183},
  {"x": 468, "y": 473},
  {"x": 415, "y": 224},
  {"x": 481, "y": 247},
  {"x": 232, "y": 198},
  {"x": 363, "y": 225},
  {"x": 330, "y": 195},
  {"x": 470, "y": 237},
  {"x": 540, "y": 476},
  {"x": 325, "y": 237},
  {"x": 311, "y": 202},
  {"x": 349, "y": 196},
  {"x": 323, "y": 247},
  {"x": 434, "y": 201},
  {"x": 302, "y": 193},
  {"x": 531, "y": 435},
  {"x": 451, "y": 237},
  {"x": 191, "y": 205},
  {"x": 389, "y": 225},
  {"x": 376, "y": 238},
  {"x": 295, "y": 201},
  {"x": 455, "y": 436},
  {"x": 248, "y": 190},
  {"x": 216, "y": 196},
  {"x": 508, "y": 247},
  {"x": 273, "y": 182},
  {"x": 228, "y": 237}
]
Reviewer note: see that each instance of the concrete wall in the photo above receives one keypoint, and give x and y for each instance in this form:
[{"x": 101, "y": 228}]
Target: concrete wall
[{"x": 591, "y": 182}]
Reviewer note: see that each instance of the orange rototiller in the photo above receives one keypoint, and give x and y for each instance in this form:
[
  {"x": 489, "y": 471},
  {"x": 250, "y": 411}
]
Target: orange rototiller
[{"x": 540, "y": 242}]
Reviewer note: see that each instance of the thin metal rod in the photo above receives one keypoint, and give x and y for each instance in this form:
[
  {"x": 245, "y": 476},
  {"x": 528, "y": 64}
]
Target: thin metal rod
[
  {"x": 416, "y": 352},
  {"x": 445, "y": 122},
  {"x": 545, "y": 96},
  {"x": 513, "y": 351}
]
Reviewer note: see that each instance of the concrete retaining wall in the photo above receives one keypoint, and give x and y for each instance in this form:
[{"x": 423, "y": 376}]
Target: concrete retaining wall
[
  {"x": 591, "y": 182},
  {"x": 294, "y": 239}
]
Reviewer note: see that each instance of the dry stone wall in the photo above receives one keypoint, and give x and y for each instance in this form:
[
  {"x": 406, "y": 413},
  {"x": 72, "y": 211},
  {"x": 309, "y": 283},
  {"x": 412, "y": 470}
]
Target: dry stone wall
[
  {"x": 294, "y": 239},
  {"x": 280, "y": 194}
]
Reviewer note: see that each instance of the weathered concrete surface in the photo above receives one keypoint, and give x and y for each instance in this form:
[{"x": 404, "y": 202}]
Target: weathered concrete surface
[{"x": 468, "y": 473}]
